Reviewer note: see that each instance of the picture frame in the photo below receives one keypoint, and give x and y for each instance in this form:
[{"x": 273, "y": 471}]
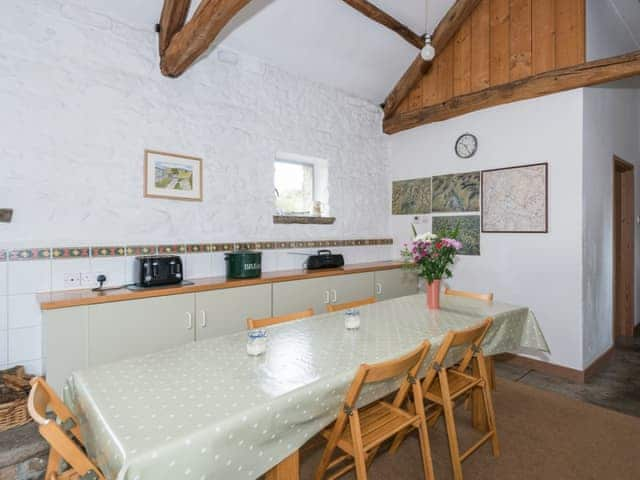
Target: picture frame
[
  {"x": 516, "y": 199},
  {"x": 172, "y": 176}
]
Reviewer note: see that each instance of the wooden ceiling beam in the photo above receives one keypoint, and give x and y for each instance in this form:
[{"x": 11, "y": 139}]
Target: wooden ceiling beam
[
  {"x": 374, "y": 13},
  {"x": 444, "y": 32},
  {"x": 568, "y": 78},
  {"x": 198, "y": 34},
  {"x": 173, "y": 17}
]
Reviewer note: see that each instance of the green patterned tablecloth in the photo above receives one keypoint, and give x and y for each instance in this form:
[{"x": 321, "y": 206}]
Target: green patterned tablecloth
[{"x": 207, "y": 410}]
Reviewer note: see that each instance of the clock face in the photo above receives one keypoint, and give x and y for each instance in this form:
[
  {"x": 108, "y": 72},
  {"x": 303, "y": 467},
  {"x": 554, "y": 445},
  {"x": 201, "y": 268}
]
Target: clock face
[{"x": 466, "y": 145}]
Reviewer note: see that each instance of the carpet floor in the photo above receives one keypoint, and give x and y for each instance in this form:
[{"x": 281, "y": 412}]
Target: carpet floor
[{"x": 542, "y": 436}]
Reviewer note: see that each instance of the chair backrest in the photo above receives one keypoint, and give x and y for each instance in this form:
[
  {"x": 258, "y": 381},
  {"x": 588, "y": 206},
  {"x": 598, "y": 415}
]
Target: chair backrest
[
  {"x": 266, "y": 322},
  {"x": 407, "y": 365},
  {"x": 57, "y": 433},
  {"x": 471, "y": 338},
  {"x": 347, "y": 305},
  {"x": 485, "y": 297}
]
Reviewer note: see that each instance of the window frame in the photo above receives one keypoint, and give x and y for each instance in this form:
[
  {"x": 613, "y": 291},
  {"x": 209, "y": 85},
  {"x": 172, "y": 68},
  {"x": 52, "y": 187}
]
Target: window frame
[{"x": 313, "y": 182}]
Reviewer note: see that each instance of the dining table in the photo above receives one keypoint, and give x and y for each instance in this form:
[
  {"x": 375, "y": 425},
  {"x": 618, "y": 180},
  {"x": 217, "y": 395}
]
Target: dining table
[{"x": 208, "y": 410}]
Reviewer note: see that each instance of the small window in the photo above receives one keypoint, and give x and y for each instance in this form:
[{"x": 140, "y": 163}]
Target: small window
[{"x": 294, "y": 187}]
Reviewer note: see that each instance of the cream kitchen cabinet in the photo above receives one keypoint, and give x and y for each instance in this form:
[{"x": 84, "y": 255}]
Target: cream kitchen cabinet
[
  {"x": 395, "y": 283},
  {"x": 221, "y": 312},
  {"x": 137, "y": 327},
  {"x": 317, "y": 293}
]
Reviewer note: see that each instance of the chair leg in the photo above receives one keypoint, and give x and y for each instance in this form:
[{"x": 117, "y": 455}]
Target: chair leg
[
  {"x": 489, "y": 410},
  {"x": 331, "y": 446},
  {"x": 53, "y": 464},
  {"x": 454, "y": 449},
  {"x": 425, "y": 446},
  {"x": 358, "y": 448}
]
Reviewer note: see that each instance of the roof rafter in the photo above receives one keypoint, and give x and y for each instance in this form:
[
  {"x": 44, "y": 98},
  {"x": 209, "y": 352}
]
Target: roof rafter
[
  {"x": 173, "y": 17},
  {"x": 444, "y": 32},
  {"x": 374, "y": 13},
  {"x": 198, "y": 34},
  {"x": 568, "y": 78}
]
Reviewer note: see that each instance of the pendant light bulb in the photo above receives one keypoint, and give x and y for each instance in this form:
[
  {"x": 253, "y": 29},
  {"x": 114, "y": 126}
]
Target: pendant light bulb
[{"x": 428, "y": 52}]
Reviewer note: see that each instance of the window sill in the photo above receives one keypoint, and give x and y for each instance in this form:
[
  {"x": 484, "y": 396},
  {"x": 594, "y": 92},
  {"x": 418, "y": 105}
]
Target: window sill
[{"x": 290, "y": 219}]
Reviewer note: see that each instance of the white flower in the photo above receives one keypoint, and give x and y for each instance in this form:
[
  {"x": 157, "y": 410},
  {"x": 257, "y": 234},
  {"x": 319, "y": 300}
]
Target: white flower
[{"x": 425, "y": 237}]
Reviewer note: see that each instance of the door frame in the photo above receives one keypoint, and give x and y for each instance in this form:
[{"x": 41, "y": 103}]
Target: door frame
[{"x": 621, "y": 166}]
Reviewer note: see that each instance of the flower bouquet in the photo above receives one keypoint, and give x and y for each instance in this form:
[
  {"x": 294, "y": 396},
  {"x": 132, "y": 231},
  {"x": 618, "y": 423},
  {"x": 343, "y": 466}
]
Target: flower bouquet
[{"x": 430, "y": 256}]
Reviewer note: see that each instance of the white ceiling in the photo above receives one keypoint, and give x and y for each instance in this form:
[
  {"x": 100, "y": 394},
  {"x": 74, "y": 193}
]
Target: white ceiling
[{"x": 324, "y": 40}]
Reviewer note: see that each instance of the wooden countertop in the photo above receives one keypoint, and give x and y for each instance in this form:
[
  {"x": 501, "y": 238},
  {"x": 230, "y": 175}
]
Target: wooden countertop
[{"x": 75, "y": 298}]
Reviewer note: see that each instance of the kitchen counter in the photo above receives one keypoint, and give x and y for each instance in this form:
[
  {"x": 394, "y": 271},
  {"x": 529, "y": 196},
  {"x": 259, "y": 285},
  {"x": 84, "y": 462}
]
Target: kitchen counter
[{"x": 74, "y": 298}]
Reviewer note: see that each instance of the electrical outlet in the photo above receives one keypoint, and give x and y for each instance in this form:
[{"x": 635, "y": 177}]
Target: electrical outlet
[
  {"x": 88, "y": 279},
  {"x": 71, "y": 280}
]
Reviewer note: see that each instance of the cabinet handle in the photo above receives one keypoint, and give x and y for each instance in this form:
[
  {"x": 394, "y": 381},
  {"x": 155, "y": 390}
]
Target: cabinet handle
[
  {"x": 189, "y": 321},
  {"x": 334, "y": 296},
  {"x": 326, "y": 296},
  {"x": 203, "y": 319},
  {"x": 379, "y": 288}
]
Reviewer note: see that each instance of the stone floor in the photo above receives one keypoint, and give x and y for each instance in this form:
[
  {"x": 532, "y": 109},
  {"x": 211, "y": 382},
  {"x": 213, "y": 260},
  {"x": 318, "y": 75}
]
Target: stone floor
[{"x": 616, "y": 386}]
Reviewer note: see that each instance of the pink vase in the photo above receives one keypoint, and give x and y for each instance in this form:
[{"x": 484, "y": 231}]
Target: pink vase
[{"x": 433, "y": 295}]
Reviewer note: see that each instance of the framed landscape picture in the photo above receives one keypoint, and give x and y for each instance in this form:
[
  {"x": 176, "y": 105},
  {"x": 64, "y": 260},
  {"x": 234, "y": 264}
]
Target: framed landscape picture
[
  {"x": 515, "y": 199},
  {"x": 168, "y": 175}
]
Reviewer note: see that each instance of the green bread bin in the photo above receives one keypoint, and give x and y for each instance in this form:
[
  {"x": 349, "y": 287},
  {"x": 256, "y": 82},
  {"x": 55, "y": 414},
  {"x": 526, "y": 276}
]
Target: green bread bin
[{"x": 243, "y": 264}]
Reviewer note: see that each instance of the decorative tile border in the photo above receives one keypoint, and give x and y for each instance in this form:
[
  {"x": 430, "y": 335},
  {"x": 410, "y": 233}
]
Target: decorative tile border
[
  {"x": 135, "y": 250},
  {"x": 141, "y": 250},
  {"x": 199, "y": 248},
  {"x": 172, "y": 249},
  {"x": 70, "y": 252},
  {"x": 108, "y": 251},
  {"x": 30, "y": 254}
]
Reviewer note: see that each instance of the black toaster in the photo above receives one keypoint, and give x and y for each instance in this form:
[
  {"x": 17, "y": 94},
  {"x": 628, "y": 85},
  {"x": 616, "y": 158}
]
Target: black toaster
[
  {"x": 325, "y": 259},
  {"x": 157, "y": 270}
]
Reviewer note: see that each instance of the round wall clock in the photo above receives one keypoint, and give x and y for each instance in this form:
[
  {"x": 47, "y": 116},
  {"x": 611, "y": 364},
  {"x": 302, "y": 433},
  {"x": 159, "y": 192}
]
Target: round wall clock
[{"x": 466, "y": 145}]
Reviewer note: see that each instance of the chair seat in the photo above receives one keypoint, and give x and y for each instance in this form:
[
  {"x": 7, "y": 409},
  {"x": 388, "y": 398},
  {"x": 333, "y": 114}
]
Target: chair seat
[
  {"x": 378, "y": 422},
  {"x": 458, "y": 384}
]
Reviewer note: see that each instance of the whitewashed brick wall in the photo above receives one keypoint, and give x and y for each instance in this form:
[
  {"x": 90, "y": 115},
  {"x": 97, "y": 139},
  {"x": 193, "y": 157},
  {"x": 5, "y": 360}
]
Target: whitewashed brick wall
[{"x": 81, "y": 97}]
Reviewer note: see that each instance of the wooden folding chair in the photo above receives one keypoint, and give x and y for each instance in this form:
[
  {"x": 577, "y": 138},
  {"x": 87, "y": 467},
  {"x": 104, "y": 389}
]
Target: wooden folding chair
[
  {"x": 67, "y": 458},
  {"x": 266, "y": 322},
  {"x": 358, "y": 432},
  {"x": 485, "y": 297},
  {"x": 345, "y": 306},
  {"x": 443, "y": 386}
]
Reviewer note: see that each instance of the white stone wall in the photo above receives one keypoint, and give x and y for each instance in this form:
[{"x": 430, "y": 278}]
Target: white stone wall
[{"x": 81, "y": 97}]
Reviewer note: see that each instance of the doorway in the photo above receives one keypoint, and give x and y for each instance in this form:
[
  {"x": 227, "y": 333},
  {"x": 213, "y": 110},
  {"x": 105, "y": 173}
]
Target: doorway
[{"x": 623, "y": 248}]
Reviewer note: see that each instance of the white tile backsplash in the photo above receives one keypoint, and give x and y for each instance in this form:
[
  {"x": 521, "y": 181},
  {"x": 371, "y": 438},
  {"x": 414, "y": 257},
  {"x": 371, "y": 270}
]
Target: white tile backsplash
[
  {"x": 197, "y": 265},
  {"x": 25, "y": 344},
  {"x": 114, "y": 268},
  {"x": 3, "y": 278},
  {"x": 4, "y": 344},
  {"x": 24, "y": 311},
  {"x": 61, "y": 267},
  {"x": 219, "y": 267},
  {"x": 4, "y": 324},
  {"x": 29, "y": 276},
  {"x": 34, "y": 367}
]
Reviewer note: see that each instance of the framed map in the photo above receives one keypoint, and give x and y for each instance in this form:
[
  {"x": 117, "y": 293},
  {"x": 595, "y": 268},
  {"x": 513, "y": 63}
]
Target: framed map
[
  {"x": 459, "y": 192},
  {"x": 515, "y": 199},
  {"x": 411, "y": 197},
  {"x": 468, "y": 234}
]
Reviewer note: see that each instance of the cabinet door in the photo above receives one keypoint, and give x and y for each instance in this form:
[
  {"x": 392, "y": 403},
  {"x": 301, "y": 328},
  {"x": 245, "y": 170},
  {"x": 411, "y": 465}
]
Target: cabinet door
[
  {"x": 348, "y": 288},
  {"x": 290, "y": 297},
  {"x": 395, "y": 283},
  {"x": 64, "y": 343},
  {"x": 221, "y": 312},
  {"x": 137, "y": 327}
]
